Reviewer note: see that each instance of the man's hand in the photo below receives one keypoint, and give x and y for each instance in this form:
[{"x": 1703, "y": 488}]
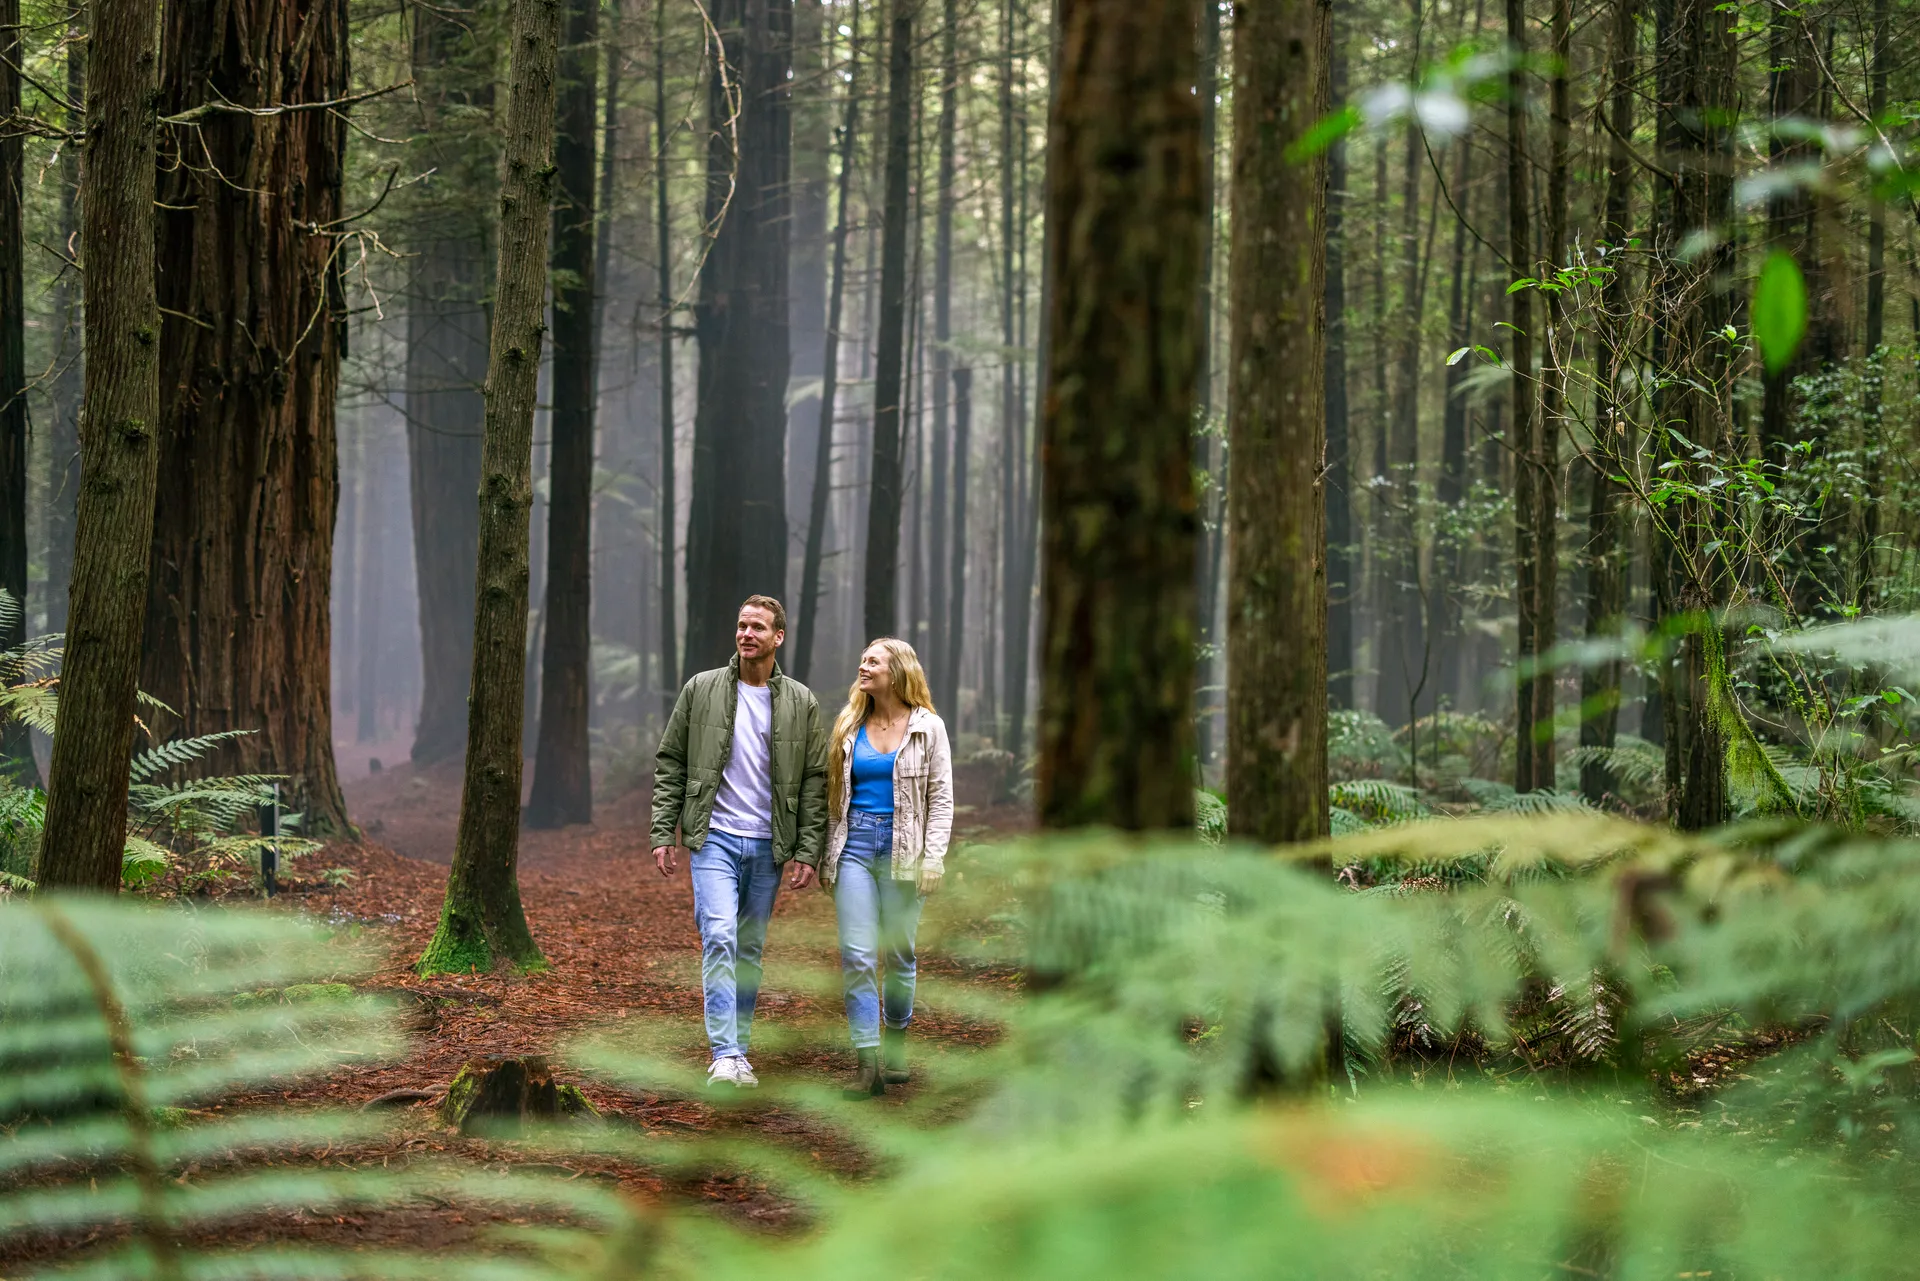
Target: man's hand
[
  {"x": 663, "y": 858},
  {"x": 801, "y": 877}
]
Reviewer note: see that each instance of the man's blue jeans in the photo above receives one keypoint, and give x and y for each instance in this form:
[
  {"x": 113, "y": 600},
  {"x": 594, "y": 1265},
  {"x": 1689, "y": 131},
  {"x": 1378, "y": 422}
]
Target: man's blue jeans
[
  {"x": 734, "y": 883},
  {"x": 878, "y": 916}
]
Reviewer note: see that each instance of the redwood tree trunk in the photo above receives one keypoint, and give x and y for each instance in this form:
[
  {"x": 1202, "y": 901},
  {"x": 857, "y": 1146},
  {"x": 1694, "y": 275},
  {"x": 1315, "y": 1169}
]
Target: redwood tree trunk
[
  {"x": 1533, "y": 704},
  {"x": 63, "y": 454},
  {"x": 87, "y": 795},
  {"x": 16, "y": 753},
  {"x": 1695, "y": 94},
  {"x": 562, "y": 773},
  {"x": 737, "y": 523},
  {"x": 1342, "y": 570},
  {"x": 941, "y": 627},
  {"x": 1276, "y": 503},
  {"x": 238, "y": 628},
  {"x": 884, "y": 507},
  {"x": 481, "y": 922},
  {"x": 1613, "y": 427},
  {"x": 447, "y": 362},
  {"x": 667, "y": 516},
  {"x": 821, "y": 490},
  {"x": 1120, "y": 525}
]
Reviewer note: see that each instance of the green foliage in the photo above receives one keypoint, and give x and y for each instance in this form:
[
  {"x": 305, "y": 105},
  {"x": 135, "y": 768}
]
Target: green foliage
[
  {"x": 120, "y": 1020},
  {"x": 1779, "y": 310}
]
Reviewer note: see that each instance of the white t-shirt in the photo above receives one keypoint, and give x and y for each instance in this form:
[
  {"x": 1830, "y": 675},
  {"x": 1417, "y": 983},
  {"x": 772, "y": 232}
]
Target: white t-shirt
[{"x": 744, "y": 804}]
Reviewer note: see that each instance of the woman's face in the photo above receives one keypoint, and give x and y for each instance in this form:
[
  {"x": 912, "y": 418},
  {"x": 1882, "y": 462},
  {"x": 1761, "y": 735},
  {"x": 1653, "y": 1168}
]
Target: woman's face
[{"x": 875, "y": 676}]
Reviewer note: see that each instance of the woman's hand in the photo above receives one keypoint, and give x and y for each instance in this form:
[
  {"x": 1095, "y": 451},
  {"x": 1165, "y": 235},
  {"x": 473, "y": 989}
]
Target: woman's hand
[{"x": 929, "y": 880}]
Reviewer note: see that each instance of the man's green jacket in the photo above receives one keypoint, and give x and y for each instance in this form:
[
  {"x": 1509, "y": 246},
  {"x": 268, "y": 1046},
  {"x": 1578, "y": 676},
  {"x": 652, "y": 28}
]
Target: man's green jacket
[{"x": 699, "y": 742}]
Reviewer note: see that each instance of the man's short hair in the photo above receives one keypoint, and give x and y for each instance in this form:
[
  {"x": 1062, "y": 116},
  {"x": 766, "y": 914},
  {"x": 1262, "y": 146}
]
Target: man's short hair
[{"x": 772, "y": 606}]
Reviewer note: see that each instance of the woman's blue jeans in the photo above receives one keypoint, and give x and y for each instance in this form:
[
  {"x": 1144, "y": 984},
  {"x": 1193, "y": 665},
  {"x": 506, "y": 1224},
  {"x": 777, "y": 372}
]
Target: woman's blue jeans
[{"x": 878, "y": 916}]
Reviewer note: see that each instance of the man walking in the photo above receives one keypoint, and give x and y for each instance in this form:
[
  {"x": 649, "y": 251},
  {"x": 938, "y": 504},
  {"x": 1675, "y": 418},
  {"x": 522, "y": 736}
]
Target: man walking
[{"x": 742, "y": 773}]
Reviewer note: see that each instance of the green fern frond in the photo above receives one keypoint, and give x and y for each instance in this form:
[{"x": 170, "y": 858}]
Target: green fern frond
[
  {"x": 1377, "y": 800},
  {"x": 180, "y": 751}
]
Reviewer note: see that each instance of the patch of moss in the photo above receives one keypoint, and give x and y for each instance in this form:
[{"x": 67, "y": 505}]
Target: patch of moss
[
  {"x": 574, "y": 1103},
  {"x": 318, "y": 992},
  {"x": 459, "y": 1096}
]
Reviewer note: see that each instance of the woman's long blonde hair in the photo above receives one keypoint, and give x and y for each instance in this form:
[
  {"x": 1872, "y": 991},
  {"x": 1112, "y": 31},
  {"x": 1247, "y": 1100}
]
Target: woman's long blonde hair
[{"x": 909, "y": 681}]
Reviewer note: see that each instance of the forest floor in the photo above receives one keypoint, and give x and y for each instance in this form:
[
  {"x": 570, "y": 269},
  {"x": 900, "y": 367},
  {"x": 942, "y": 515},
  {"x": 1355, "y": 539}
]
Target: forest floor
[{"x": 624, "y": 969}]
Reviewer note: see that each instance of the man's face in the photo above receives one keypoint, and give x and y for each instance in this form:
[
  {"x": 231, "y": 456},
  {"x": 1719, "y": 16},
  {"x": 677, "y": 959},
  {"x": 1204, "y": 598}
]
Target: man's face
[{"x": 754, "y": 636}]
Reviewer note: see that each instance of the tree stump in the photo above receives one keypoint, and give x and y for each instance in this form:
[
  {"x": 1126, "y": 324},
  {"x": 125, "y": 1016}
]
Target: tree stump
[{"x": 499, "y": 1095}]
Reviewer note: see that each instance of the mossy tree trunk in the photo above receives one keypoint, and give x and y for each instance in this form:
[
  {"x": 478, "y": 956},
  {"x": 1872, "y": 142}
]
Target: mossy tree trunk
[
  {"x": 481, "y": 923},
  {"x": 1121, "y": 525},
  {"x": 562, "y": 776},
  {"x": 87, "y": 801},
  {"x": 16, "y": 753},
  {"x": 1276, "y": 501}
]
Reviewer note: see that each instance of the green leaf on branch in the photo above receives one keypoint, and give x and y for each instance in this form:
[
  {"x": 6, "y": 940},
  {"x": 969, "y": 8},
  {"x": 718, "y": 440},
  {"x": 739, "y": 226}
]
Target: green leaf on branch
[{"x": 1779, "y": 310}]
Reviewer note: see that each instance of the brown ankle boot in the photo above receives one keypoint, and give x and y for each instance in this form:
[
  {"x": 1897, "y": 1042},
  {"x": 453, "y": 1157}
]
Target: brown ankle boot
[
  {"x": 867, "y": 1081},
  {"x": 893, "y": 1056}
]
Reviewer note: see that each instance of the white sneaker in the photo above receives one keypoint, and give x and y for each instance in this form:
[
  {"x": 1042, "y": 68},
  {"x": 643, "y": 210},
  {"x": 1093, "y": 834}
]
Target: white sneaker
[
  {"x": 743, "y": 1073},
  {"x": 725, "y": 1071}
]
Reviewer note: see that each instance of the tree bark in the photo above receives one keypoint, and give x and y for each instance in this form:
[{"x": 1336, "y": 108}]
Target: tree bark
[
  {"x": 238, "y": 626},
  {"x": 1276, "y": 503},
  {"x": 447, "y": 362},
  {"x": 481, "y": 922},
  {"x": 822, "y": 490},
  {"x": 880, "y": 606},
  {"x": 1606, "y": 548},
  {"x": 737, "y": 526},
  {"x": 1209, "y": 453},
  {"x": 120, "y": 454},
  {"x": 562, "y": 773},
  {"x": 940, "y": 627},
  {"x": 1404, "y": 660},
  {"x": 16, "y": 751},
  {"x": 1120, "y": 526},
  {"x": 1533, "y": 704},
  {"x": 1695, "y": 92},
  {"x": 957, "y": 564},
  {"x": 1341, "y": 566},
  {"x": 63, "y": 453},
  {"x": 667, "y": 516},
  {"x": 807, "y": 278}
]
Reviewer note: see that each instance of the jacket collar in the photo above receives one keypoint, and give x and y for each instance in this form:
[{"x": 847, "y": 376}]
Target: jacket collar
[
  {"x": 773, "y": 681},
  {"x": 916, "y": 723}
]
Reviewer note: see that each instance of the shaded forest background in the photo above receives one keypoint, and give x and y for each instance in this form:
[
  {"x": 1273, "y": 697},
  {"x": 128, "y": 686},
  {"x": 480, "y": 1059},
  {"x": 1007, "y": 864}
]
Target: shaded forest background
[{"x": 726, "y": 178}]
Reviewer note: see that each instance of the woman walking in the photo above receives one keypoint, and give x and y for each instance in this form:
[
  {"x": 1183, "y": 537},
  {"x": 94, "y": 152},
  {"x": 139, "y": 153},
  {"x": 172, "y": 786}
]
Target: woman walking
[{"x": 890, "y": 803}]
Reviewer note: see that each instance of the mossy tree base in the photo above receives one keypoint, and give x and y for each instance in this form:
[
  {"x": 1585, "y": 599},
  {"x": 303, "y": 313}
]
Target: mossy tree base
[
  {"x": 467, "y": 942},
  {"x": 502, "y": 1095}
]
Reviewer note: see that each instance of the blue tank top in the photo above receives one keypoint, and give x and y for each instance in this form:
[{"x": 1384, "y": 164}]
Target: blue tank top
[{"x": 872, "y": 777}]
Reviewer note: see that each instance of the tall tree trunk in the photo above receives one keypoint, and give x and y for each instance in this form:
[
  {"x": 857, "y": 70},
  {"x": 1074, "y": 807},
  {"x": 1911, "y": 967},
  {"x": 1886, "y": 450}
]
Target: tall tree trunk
[
  {"x": 16, "y": 752},
  {"x": 1404, "y": 661},
  {"x": 1277, "y": 597},
  {"x": 63, "y": 453},
  {"x": 822, "y": 488},
  {"x": 1877, "y": 210},
  {"x": 120, "y": 455},
  {"x": 481, "y": 922},
  {"x": 562, "y": 773},
  {"x": 942, "y": 627},
  {"x": 1695, "y": 96},
  {"x": 667, "y": 516},
  {"x": 957, "y": 566},
  {"x": 1613, "y": 427},
  {"x": 1021, "y": 546},
  {"x": 1341, "y": 563},
  {"x": 447, "y": 362},
  {"x": 1209, "y": 451},
  {"x": 1533, "y": 726},
  {"x": 807, "y": 273},
  {"x": 1120, "y": 526},
  {"x": 737, "y": 521},
  {"x": 375, "y": 520},
  {"x": 884, "y": 506},
  {"x": 1012, "y": 423},
  {"x": 238, "y": 629}
]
